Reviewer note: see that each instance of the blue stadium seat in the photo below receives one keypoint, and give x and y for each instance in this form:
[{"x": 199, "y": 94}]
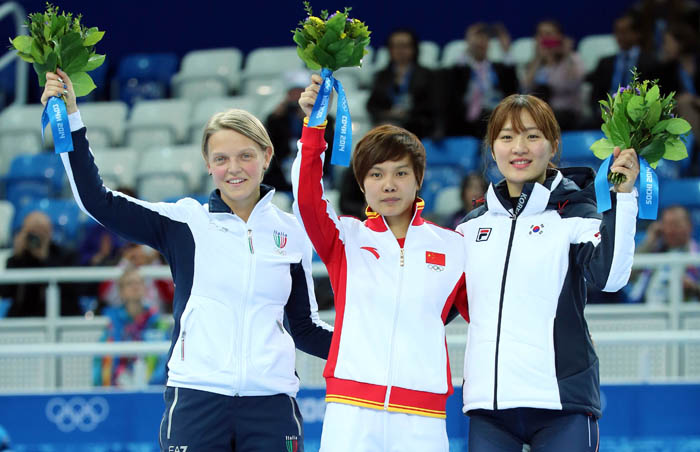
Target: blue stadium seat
[
  {"x": 145, "y": 76},
  {"x": 436, "y": 178},
  {"x": 34, "y": 176},
  {"x": 461, "y": 151},
  {"x": 67, "y": 219},
  {"x": 576, "y": 148}
]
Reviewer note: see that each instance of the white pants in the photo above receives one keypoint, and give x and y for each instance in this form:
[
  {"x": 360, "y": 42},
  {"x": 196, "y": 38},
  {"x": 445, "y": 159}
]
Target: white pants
[{"x": 348, "y": 428}]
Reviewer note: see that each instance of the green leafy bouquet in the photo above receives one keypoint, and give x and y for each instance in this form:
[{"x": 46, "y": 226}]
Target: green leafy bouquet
[
  {"x": 60, "y": 41},
  {"x": 638, "y": 117},
  {"x": 331, "y": 42}
]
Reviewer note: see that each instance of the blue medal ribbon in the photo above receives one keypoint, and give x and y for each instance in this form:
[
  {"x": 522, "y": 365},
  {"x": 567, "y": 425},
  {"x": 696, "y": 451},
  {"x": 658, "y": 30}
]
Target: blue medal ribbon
[
  {"x": 342, "y": 141},
  {"x": 56, "y": 114},
  {"x": 602, "y": 186},
  {"x": 647, "y": 186}
]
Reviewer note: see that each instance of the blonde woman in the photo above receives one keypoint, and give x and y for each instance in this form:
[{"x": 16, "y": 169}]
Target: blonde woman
[{"x": 240, "y": 267}]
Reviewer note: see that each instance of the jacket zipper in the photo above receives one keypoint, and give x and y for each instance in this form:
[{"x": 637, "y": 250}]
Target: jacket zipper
[
  {"x": 241, "y": 336},
  {"x": 500, "y": 311},
  {"x": 390, "y": 372}
]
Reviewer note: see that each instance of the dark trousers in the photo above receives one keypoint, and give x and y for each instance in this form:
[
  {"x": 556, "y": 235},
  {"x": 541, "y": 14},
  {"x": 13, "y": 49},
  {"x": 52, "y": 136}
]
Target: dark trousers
[
  {"x": 205, "y": 421},
  {"x": 544, "y": 430}
]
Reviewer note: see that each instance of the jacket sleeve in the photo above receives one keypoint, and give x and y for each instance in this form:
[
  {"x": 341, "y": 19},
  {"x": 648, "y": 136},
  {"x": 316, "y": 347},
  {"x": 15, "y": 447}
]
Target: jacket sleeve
[
  {"x": 604, "y": 249},
  {"x": 311, "y": 335},
  {"x": 457, "y": 303},
  {"x": 313, "y": 210},
  {"x": 133, "y": 219}
]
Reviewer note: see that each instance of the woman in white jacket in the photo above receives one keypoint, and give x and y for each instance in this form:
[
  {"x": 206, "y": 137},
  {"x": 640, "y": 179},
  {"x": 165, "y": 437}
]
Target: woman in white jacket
[
  {"x": 241, "y": 268},
  {"x": 531, "y": 373}
]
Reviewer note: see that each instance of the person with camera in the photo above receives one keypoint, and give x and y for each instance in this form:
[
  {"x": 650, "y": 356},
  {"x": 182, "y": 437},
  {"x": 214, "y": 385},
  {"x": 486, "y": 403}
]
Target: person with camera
[
  {"x": 556, "y": 74},
  {"x": 33, "y": 248}
]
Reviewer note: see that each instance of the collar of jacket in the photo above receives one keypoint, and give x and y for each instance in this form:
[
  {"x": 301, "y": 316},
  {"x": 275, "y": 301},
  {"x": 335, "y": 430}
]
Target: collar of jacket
[
  {"x": 533, "y": 198},
  {"x": 377, "y": 223},
  {"x": 217, "y": 205}
]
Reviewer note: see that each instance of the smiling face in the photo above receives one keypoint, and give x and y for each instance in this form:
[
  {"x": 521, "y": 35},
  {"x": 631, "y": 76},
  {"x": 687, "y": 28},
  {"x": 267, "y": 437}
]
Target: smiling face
[
  {"x": 522, "y": 154},
  {"x": 237, "y": 164},
  {"x": 391, "y": 187}
]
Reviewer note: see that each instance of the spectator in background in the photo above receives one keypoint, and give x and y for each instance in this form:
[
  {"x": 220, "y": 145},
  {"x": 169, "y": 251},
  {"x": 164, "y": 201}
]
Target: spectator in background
[
  {"x": 403, "y": 92},
  {"x": 671, "y": 234},
  {"x": 656, "y": 16},
  {"x": 474, "y": 87},
  {"x": 159, "y": 291},
  {"x": 101, "y": 246},
  {"x": 34, "y": 248},
  {"x": 615, "y": 70},
  {"x": 284, "y": 126},
  {"x": 680, "y": 72},
  {"x": 556, "y": 74},
  {"x": 131, "y": 321},
  {"x": 472, "y": 189}
]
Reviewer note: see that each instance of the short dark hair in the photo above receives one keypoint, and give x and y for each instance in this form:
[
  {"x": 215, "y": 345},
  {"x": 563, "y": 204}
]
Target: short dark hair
[
  {"x": 387, "y": 143},
  {"x": 414, "y": 39}
]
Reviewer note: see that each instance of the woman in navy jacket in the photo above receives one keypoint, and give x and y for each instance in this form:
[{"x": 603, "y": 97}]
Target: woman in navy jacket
[
  {"x": 531, "y": 373},
  {"x": 241, "y": 268}
]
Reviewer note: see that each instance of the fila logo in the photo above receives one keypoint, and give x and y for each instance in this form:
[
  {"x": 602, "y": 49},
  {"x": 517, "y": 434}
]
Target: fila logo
[
  {"x": 372, "y": 250},
  {"x": 483, "y": 234},
  {"x": 178, "y": 448}
]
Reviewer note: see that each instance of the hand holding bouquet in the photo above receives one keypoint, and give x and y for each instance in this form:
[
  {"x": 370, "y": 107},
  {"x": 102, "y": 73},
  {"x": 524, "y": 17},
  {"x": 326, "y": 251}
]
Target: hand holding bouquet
[
  {"x": 330, "y": 43},
  {"x": 639, "y": 117},
  {"x": 60, "y": 41}
]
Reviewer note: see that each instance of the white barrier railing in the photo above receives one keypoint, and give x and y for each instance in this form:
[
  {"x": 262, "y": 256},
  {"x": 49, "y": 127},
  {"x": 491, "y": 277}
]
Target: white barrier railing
[{"x": 671, "y": 339}]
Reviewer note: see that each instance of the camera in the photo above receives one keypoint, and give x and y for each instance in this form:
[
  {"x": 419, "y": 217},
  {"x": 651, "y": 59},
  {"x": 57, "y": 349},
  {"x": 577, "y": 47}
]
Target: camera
[{"x": 33, "y": 241}]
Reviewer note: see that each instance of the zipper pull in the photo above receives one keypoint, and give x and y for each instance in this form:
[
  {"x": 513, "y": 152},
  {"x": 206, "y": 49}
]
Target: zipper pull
[
  {"x": 402, "y": 261},
  {"x": 182, "y": 347},
  {"x": 250, "y": 241}
]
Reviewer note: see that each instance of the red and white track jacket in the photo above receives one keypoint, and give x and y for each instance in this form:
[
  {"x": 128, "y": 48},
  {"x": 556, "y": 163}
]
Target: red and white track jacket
[{"x": 388, "y": 350}]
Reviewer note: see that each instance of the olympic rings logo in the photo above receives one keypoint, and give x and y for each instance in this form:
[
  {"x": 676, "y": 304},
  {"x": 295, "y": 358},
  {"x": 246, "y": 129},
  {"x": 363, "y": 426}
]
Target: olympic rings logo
[{"x": 77, "y": 412}]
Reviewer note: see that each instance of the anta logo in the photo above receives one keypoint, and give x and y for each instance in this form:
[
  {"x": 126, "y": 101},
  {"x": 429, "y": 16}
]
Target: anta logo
[
  {"x": 292, "y": 443},
  {"x": 483, "y": 234},
  {"x": 536, "y": 229},
  {"x": 372, "y": 250},
  {"x": 178, "y": 448}
]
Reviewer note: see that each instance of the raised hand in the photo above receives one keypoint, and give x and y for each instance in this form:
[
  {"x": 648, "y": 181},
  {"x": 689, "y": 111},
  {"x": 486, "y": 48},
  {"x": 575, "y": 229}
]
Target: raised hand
[{"x": 59, "y": 85}]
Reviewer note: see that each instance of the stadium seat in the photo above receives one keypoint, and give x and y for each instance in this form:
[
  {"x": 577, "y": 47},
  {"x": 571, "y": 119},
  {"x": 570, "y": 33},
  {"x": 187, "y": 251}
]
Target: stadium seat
[
  {"x": 594, "y": 47},
  {"x": 34, "y": 176},
  {"x": 357, "y": 103},
  {"x": 283, "y": 201},
  {"x": 145, "y": 76},
  {"x": 158, "y": 123},
  {"x": 105, "y": 122},
  {"x": 7, "y": 211},
  {"x": 522, "y": 50},
  {"x": 447, "y": 201},
  {"x": 117, "y": 166},
  {"x": 208, "y": 73},
  {"x": 169, "y": 172},
  {"x": 464, "y": 152},
  {"x": 453, "y": 53},
  {"x": 495, "y": 51},
  {"x": 207, "y": 107},
  {"x": 436, "y": 179},
  {"x": 267, "y": 64},
  {"x": 575, "y": 148},
  {"x": 67, "y": 218},
  {"x": 20, "y": 132}
]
